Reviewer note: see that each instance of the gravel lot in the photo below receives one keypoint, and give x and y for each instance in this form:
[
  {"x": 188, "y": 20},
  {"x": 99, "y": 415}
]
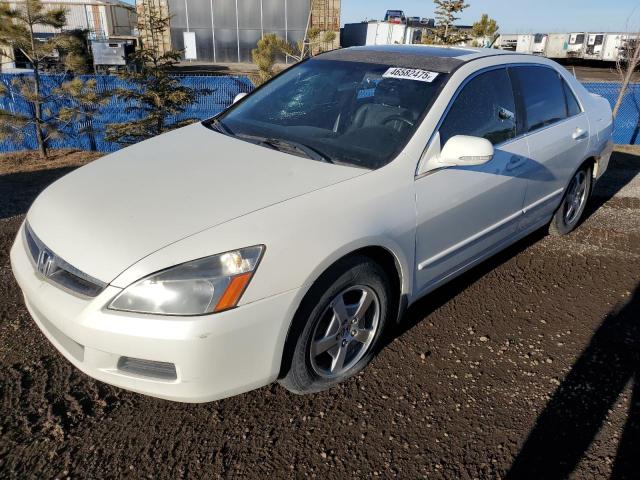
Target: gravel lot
[{"x": 523, "y": 368}]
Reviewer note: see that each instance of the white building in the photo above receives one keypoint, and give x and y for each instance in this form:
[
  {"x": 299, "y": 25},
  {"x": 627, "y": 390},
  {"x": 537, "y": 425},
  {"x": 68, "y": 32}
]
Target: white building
[{"x": 103, "y": 19}]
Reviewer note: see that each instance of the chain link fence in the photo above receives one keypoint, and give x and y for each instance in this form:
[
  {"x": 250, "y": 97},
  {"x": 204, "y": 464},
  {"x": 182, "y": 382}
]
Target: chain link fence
[
  {"x": 82, "y": 135},
  {"x": 224, "y": 89},
  {"x": 627, "y": 125}
]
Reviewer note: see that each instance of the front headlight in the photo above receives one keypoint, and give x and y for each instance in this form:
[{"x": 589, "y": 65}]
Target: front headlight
[{"x": 207, "y": 285}]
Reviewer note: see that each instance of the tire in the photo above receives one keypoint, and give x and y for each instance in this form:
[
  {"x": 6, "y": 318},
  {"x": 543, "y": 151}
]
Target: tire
[
  {"x": 568, "y": 215},
  {"x": 337, "y": 329}
]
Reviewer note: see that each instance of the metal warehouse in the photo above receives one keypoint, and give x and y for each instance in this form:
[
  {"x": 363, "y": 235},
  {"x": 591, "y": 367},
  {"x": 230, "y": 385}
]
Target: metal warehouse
[{"x": 227, "y": 30}]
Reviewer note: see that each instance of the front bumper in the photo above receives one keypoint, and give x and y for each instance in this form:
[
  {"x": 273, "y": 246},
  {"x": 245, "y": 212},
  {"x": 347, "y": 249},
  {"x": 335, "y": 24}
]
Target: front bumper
[{"x": 215, "y": 356}]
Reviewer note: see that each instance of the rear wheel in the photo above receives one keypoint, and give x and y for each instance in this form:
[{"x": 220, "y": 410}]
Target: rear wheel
[
  {"x": 338, "y": 326},
  {"x": 569, "y": 213}
]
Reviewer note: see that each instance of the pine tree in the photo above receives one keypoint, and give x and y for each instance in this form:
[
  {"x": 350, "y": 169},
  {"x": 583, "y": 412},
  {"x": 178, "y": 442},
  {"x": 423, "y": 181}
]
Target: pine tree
[
  {"x": 484, "y": 29},
  {"x": 18, "y": 23},
  {"x": 270, "y": 46},
  {"x": 81, "y": 102},
  {"x": 155, "y": 95},
  {"x": 265, "y": 54},
  {"x": 446, "y": 12}
]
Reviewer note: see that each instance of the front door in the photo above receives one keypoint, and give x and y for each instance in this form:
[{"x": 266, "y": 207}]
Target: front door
[{"x": 466, "y": 213}]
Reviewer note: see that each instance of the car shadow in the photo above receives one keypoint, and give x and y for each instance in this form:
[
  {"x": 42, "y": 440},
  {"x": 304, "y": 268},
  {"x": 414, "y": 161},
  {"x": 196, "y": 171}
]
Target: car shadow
[
  {"x": 623, "y": 167},
  {"x": 577, "y": 410},
  {"x": 445, "y": 293},
  {"x": 19, "y": 190}
]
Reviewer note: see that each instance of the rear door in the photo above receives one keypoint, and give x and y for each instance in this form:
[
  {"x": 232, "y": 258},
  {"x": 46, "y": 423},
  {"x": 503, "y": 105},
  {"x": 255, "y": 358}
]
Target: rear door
[{"x": 557, "y": 133}]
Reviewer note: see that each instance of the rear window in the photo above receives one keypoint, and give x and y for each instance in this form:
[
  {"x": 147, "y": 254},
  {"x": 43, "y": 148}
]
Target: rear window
[
  {"x": 541, "y": 94},
  {"x": 573, "y": 107}
]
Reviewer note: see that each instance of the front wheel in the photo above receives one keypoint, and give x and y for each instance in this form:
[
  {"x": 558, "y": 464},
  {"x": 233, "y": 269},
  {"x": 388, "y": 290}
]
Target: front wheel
[
  {"x": 570, "y": 211},
  {"x": 338, "y": 326}
]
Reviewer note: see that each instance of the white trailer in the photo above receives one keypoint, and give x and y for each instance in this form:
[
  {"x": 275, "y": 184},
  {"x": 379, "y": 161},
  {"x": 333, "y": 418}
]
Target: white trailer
[
  {"x": 507, "y": 42},
  {"x": 594, "y": 47},
  {"x": 576, "y": 45},
  {"x": 557, "y": 45},
  {"x": 524, "y": 44},
  {"x": 614, "y": 46},
  {"x": 385, "y": 33},
  {"x": 629, "y": 44},
  {"x": 539, "y": 43}
]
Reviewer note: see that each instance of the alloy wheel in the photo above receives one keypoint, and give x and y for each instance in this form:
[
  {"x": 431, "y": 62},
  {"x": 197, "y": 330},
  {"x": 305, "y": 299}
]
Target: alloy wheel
[
  {"x": 576, "y": 197},
  {"x": 345, "y": 331}
]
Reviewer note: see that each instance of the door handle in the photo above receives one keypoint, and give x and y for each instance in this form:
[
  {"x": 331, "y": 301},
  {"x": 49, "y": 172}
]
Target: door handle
[
  {"x": 515, "y": 161},
  {"x": 579, "y": 134}
]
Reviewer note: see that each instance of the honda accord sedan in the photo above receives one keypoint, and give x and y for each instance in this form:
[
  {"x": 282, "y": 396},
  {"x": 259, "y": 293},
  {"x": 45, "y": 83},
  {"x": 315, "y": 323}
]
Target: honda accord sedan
[{"x": 279, "y": 239}]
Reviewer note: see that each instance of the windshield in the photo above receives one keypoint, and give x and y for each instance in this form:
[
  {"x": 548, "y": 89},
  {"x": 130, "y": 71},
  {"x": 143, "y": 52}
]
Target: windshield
[{"x": 353, "y": 113}]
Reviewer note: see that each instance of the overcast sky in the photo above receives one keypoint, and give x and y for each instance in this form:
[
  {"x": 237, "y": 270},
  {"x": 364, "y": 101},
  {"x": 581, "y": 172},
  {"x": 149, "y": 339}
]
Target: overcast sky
[{"x": 515, "y": 16}]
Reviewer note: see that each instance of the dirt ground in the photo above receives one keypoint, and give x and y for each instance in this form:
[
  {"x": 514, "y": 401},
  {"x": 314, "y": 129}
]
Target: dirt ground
[{"x": 524, "y": 367}]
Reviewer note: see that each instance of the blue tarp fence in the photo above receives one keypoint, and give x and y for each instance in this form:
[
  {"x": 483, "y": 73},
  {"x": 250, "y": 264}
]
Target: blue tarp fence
[{"x": 223, "y": 90}]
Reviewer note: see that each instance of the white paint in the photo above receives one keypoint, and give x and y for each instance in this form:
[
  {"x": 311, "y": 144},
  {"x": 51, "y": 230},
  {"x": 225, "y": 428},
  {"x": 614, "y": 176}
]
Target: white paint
[{"x": 190, "y": 52}]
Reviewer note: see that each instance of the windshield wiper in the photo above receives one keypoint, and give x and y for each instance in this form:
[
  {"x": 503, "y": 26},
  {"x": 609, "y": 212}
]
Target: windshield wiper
[
  {"x": 309, "y": 151},
  {"x": 220, "y": 127},
  {"x": 289, "y": 146}
]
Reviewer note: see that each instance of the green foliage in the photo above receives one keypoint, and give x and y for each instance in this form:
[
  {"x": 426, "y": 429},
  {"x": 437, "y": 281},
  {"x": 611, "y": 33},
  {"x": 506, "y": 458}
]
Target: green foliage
[
  {"x": 270, "y": 46},
  {"x": 73, "y": 47},
  {"x": 82, "y": 100},
  {"x": 265, "y": 54},
  {"x": 446, "y": 13},
  {"x": 156, "y": 95},
  {"x": 485, "y": 28},
  {"x": 17, "y": 24}
]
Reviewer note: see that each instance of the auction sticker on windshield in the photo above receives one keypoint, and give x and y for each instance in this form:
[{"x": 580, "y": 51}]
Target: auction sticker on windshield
[{"x": 410, "y": 74}]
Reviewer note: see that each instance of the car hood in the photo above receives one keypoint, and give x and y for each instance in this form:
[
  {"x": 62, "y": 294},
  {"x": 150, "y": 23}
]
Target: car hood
[{"x": 109, "y": 214}]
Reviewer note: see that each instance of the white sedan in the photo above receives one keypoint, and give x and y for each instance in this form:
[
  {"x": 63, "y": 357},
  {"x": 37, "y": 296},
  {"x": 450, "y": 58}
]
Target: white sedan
[{"x": 279, "y": 239}]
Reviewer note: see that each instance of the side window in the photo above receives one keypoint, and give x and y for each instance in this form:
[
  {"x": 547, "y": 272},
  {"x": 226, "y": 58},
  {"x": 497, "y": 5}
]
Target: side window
[
  {"x": 540, "y": 91},
  {"x": 573, "y": 107},
  {"x": 484, "y": 108}
]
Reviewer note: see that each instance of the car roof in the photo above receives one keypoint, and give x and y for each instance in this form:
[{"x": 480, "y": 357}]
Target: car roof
[{"x": 438, "y": 58}]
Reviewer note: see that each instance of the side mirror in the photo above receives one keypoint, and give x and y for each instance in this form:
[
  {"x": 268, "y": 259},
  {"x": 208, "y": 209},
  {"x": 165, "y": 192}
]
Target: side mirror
[
  {"x": 239, "y": 97},
  {"x": 464, "y": 150}
]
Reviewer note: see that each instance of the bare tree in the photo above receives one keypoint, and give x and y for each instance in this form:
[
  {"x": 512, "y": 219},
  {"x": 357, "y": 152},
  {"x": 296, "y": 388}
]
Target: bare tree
[{"x": 626, "y": 65}]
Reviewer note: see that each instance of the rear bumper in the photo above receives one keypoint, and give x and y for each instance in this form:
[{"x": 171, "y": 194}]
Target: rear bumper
[
  {"x": 213, "y": 356},
  {"x": 602, "y": 160}
]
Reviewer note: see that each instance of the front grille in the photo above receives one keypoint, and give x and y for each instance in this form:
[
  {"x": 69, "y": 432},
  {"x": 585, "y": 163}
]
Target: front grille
[{"x": 56, "y": 270}]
